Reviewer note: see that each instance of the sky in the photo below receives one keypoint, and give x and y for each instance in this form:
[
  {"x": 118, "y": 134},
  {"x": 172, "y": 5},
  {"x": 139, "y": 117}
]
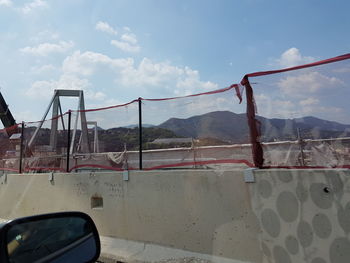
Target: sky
[{"x": 117, "y": 51}]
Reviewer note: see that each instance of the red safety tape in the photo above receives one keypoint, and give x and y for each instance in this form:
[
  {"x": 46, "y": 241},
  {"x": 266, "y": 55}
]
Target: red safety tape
[
  {"x": 305, "y": 167},
  {"x": 317, "y": 63},
  {"x": 201, "y": 163},
  {"x": 107, "y": 108},
  {"x": 9, "y": 169},
  {"x": 44, "y": 169},
  {"x": 11, "y": 128},
  {"x": 249, "y": 164},
  {"x": 99, "y": 166},
  {"x": 233, "y": 86},
  {"x": 54, "y": 118}
]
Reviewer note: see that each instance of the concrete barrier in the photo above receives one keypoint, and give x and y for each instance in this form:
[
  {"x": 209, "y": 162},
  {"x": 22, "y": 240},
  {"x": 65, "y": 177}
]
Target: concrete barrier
[
  {"x": 203, "y": 211},
  {"x": 260, "y": 216}
]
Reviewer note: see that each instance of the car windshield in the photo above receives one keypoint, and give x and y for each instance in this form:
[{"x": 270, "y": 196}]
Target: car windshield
[{"x": 190, "y": 131}]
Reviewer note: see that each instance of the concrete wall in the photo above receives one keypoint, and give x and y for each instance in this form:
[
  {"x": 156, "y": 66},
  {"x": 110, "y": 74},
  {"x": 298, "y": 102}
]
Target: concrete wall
[
  {"x": 282, "y": 216},
  {"x": 305, "y": 215},
  {"x": 203, "y": 211}
]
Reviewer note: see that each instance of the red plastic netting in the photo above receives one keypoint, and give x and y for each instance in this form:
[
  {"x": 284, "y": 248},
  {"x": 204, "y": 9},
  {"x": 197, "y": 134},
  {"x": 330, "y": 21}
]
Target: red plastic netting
[
  {"x": 297, "y": 117},
  {"x": 116, "y": 144},
  {"x": 45, "y": 145},
  {"x": 113, "y": 138},
  {"x": 303, "y": 114},
  {"x": 203, "y": 131},
  {"x": 10, "y": 149}
]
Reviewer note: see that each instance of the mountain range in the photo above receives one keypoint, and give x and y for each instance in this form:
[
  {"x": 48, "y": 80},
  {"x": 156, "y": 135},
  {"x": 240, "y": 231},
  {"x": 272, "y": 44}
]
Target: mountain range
[{"x": 233, "y": 128}]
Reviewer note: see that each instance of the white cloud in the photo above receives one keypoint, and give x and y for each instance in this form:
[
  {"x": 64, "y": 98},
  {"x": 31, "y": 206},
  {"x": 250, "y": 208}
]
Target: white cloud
[
  {"x": 82, "y": 70},
  {"x": 46, "y": 48},
  {"x": 270, "y": 107},
  {"x": 105, "y": 27},
  {"x": 316, "y": 110},
  {"x": 88, "y": 62},
  {"x": 27, "y": 116},
  {"x": 127, "y": 42},
  {"x": 309, "y": 101},
  {"x": 307, "y": 83},
  {"x": 43, "y": 69},
  {"x": 125, "y": 46},
  {"x": 342, "y": 70},
  {"x": 164, "y": 76},
  {"x": 44, "y": 36},
  {"x": 45, "y": 88},
  {"x": 292, "y": 57},
  {"x": 146, "y": 76},
  {"x": 129, "y": 37},
  {"x": 5, "y": 2},
  {"x": 29, "y": 7}
]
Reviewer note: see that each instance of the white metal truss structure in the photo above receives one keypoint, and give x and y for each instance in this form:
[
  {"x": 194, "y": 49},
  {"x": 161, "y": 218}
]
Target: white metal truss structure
[
  {"x": 96, "y": 148},
  {"x": 56, "y": 107}
]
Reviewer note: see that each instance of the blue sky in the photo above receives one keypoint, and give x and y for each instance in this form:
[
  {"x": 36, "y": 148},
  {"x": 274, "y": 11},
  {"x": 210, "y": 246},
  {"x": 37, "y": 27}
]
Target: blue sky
[{"x": 117, "y": 51}]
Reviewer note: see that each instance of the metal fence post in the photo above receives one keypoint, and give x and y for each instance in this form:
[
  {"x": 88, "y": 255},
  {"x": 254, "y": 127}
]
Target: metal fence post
[
  {"x": 68, "y": 140},
  {"x": 140, "y": 133},
  {"x": 21, "y": 148},
  {"x": 301, "y": 145}
]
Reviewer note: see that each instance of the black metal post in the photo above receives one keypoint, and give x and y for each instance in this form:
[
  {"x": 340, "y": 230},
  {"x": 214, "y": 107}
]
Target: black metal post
[
  {"x": 301, "y": 145},
  {"x": 68, "y": 139},
  {"x": 21, "y": 148},
  {"x": 140, "y": 133}
]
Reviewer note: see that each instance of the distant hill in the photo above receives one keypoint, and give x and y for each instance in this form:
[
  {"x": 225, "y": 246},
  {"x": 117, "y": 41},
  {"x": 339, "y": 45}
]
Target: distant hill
[
  {"x": 136, "y": 125},
  {"x": 223, "y": 125},
  {"x": 213, "y": 128},
  {"x": 233, "y": 128}
]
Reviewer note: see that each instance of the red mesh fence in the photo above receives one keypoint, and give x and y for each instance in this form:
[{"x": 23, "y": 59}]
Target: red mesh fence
[
  {"x": 116, "y": 144},
  {"x": 10, "y": 149},
  {"x": 303, "y": 114},
  {"x": 45, "y": 145},
  {"x": 297, "y": 117},
  {"x": 195, "y": 131},
  {"x": 113, "y": 135}
]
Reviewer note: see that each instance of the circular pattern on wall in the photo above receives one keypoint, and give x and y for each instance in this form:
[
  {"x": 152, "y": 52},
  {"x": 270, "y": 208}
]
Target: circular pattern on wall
[
  {"x": 304, "y": 233},
  {"x": 287, "y": 206},
  {"x": 321, "y": 195},
  {"x": 336, "y": 184},
  {"x": 340, "y": 250},
  {"x": 344, "y": 217},
  {"x": 302, "y": 193},
  {"x": 322, "y": 226},
  {"x": 265, "y": 250},
  {"x": 271, "y": 222},
  {"x": 265, "y": 188},
  {"x": 292, "y": 245},
  {"x": 318, "y": 260},
  {"x": 297, "y": 216},
  {"x": 281, "y": 255},
  {"x": 285, "y": 177}
]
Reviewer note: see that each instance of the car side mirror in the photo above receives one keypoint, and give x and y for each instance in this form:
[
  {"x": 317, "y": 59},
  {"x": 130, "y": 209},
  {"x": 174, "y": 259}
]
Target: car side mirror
[{"x": 56, "y": 237}]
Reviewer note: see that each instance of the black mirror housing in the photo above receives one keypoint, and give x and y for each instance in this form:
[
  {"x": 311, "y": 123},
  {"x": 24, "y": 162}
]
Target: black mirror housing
[{"x": 55, "y": 237}]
